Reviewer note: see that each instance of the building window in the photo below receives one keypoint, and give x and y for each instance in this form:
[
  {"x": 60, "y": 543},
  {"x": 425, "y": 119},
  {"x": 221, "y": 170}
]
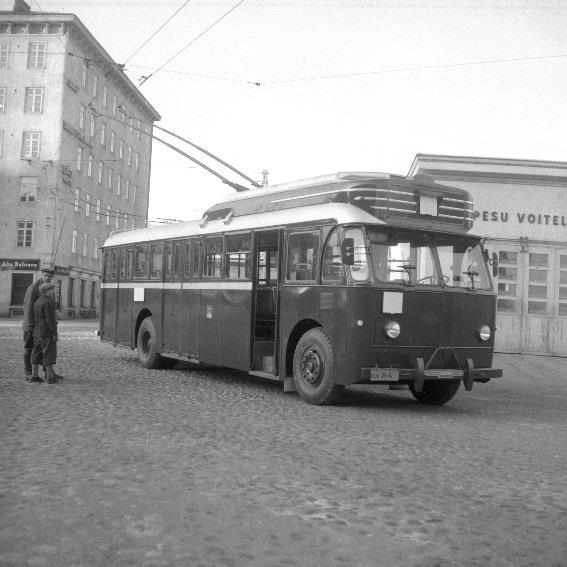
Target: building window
[
  {"x": 4, "y": 51},
  {"x": 84, "y": 76},
  {"x": 74, "y": 237},
  {"x": 31, "y": 142},
  {"x": 117, "y": 217},
  {"x": 134, "y": 192},
  {"x": 122, "y": 109},
  {"x": 34, "y": 100},
  {"x": 131, "y": 124},
  {"x": 119, "y": 184},
  {"x": 1, "y": 142},
  {"x": 36, "y": 55},
  {"x": 112, "y": 140},
  {"x": 108, "y": 215},
  {"x": 82, "y": 113},
  {"x": 28, "y": 188},
  {"x": 133, "y": 222},
  {"x": 95, "y": 85},
  {"x": 129, "y": 159},
  {"x": 92, "y": 130},
  {"x": 125, "y": 220},
  {"x": 71, "y": 293},
  {"x": 136, "y": 161},
  {"x": 24, "y": 237},
  {"x": 114, "y": 105},
  {"x": 95, "y": 249},
  {"x": 77, "y": 199},
  {"x": 121, "y": 149},
  {"x": 98, "y": 210},
  {"x": 90, "y": 166},
  {"x": 2, "y": 99},
  {"x": 82, "y": 287},
  {"x": 85, "y": 245},
  {"x": 102, "y": 134},
  {"x": 100, "y": 172},
  {"x": 88, "y": 205},
  {"x": 127, "y": 189},
  {"x": 105, "y": 96},
  {"x": 79, "y": 158},
  {"x": 138, "y": 129},
  {"x": 110, "y": 172}
]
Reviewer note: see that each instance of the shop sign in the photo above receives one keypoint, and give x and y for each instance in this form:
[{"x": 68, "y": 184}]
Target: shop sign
[
  {"x": 521, "y": 218},
  {"x": 16, "y": 264}
]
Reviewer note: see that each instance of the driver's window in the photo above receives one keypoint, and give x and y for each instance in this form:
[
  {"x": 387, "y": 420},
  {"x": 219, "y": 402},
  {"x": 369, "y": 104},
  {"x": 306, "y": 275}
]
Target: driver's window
[
  {"x": 332, "y": 259},
  {"x": 359, "y": 270},
  {"x": 303, "y": 249}
]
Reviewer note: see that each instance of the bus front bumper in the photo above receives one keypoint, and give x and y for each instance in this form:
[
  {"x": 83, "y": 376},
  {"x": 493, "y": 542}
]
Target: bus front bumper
[{"x": 419, "y": 375}]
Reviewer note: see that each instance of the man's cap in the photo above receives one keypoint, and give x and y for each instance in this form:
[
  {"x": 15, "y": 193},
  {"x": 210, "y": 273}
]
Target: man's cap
[
  {"x": 46, "y": 287},
  {"x": 48, "y": 270}
]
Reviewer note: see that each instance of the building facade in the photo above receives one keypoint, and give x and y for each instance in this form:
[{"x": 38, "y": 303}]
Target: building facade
[
  {"x": 75, "y": 151},
  {"x": 521, "y": 207}
]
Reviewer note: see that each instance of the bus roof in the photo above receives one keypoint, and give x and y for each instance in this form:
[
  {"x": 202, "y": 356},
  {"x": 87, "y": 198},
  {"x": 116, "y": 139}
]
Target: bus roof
[{"x": 394, "y": 199}]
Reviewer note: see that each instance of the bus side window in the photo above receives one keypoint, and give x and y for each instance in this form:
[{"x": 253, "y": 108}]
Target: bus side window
[
  {"x": 303, "y": 249},
  {"x": 187, "y": 259},
  {"x": 156, "y": 261},
  {"x": 141, "y": 263},
  {"x": 129, "y": 263},
  {"x": 177, "y": 260},
  {"x": 168, "y": 260},
  {"x": 113, "y": 264},
  {"x": 237, "y": 256},
  {"x": 332, "y": 261},
  {"x": 196, "y": 250},
  {"x": 122, "y": 264},
  {"x": 213, "y": 257}
]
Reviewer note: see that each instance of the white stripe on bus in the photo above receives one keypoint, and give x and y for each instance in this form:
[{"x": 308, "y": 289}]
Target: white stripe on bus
[{"x": 244, "y": 285}]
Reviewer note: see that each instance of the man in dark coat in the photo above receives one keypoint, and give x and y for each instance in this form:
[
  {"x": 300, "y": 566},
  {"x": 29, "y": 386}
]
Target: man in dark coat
[
  {"x": 45, "y": 335},
  {"x": 31, "y": 296}
]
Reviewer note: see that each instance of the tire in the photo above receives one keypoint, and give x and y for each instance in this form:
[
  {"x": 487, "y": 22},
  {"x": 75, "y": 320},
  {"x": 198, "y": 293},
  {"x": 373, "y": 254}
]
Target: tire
[
  {"x": 313, "y": 369},
  {"x": 436, "y": 392},
  {"x": 147, "y": 345}
]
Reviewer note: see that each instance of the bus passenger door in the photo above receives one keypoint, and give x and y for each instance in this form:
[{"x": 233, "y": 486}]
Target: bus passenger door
[
  {"x": 265, "y": 302},
  {"x": 172, "y": 298}
]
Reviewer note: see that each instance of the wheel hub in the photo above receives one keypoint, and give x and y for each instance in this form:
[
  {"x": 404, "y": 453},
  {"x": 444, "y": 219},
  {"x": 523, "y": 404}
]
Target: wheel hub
[{"x": 311, "y": 367}]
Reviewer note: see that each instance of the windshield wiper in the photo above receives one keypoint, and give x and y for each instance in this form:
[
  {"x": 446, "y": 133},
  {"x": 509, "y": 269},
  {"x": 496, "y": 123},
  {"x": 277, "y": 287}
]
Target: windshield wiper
[{"x": 471, "y": 274}]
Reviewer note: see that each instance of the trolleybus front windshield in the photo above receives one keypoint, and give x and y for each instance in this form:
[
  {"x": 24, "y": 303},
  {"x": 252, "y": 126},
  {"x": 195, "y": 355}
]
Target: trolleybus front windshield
[{"x": 420, "y": 258}]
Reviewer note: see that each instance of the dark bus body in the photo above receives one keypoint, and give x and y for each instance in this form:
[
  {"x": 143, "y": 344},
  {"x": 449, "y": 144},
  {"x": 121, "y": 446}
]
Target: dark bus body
[{"x": 355, "y": 278}]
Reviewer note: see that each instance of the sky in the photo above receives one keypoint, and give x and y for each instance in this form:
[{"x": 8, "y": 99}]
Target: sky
[{"x": 303, "y": 88}]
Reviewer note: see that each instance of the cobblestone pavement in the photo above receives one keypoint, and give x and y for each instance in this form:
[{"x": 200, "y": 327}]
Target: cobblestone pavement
[{"x": 118, "y": 465}]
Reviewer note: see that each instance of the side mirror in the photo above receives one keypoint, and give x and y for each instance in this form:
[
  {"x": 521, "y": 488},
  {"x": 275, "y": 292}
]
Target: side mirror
[{"x": 347, "y": 251}]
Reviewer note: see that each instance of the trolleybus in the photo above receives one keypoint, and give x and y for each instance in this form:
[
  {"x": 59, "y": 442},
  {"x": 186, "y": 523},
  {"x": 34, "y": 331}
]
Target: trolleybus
[{"x": 351, "y": 278}]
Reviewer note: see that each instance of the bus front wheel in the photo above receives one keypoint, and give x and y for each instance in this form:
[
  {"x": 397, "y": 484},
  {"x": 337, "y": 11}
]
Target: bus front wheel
[
  {"x": 436, "y": 392},
  {"x": 313, "y": 369},
  {"x": 147, "y": 344}
]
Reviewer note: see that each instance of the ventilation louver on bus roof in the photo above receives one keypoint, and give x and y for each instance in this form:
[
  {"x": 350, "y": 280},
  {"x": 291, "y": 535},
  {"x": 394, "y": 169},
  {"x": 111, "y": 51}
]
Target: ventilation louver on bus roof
[{"x": 406, "y": 202}]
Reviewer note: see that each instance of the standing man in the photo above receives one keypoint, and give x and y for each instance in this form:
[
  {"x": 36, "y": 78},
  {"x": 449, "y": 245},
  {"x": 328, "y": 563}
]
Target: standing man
[
  {"x": 45, "y": 334},
  {"x": 31, "y": 296}
]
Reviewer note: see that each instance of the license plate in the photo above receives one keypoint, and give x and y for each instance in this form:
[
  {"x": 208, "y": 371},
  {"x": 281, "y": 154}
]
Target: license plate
[{"x": 384, "y": 374}]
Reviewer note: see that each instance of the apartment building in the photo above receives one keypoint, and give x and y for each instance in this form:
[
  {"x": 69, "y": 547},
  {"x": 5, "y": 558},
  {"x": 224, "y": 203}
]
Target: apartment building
[{"x": 75, "y": 157}]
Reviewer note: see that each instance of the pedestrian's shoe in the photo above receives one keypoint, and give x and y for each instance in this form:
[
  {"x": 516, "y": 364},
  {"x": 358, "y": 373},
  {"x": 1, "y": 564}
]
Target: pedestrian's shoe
[
  {"x": 50, "y": 375},
  {"x": 34, "y": 374}
]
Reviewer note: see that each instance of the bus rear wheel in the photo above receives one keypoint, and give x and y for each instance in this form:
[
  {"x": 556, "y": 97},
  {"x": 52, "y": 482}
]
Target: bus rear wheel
[
  {"x": 436, "y": 392},
  {"x": 147, "y": 345},
  {"x": 313, "y": 369}
]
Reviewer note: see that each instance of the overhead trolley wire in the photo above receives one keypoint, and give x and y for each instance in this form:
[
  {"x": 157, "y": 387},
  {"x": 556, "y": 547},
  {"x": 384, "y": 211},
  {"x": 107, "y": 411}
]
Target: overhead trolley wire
[
  {"x": 145, "y": 78},
  {"x": 158, "y": 30}
]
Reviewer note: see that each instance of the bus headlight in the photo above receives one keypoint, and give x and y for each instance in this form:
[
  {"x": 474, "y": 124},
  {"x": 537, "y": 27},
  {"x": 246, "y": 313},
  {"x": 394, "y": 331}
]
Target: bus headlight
[
  {"x": 392, "y": 329},
  {"x": 484, "y": 333}
]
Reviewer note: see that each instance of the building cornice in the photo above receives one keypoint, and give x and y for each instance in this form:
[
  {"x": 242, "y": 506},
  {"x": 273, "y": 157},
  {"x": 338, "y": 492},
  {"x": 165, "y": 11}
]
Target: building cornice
[{"x": 86, "y": 41}]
